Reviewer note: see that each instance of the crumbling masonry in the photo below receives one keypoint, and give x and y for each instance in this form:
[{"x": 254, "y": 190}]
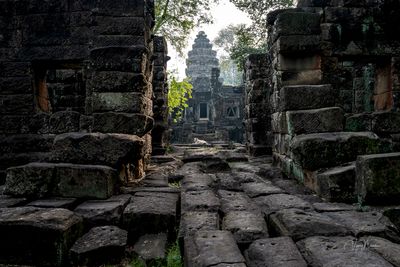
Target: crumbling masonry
[{"x": 335, "y": 97}]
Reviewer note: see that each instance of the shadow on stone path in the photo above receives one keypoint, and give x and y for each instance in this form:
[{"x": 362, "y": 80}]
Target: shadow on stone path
[{"x": 225, "y": 209}]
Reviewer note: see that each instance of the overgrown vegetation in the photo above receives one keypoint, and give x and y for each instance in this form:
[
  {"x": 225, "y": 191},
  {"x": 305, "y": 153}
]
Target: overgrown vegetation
[
  {"x": 176, "y": 19},
  {"x": 174, "y": 259},
  {"x": 241, "y": 40},
  {"x": 178, "y": 95}
]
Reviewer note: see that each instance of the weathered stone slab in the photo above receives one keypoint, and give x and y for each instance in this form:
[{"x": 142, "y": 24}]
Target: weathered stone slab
[
  {"x": 101, "y": 245},
  {"x": 378, "y": 178},
  {"x": 258, "y": 189},
  {"x": 318, "y": 96},
  {"x": 28, "y": 232},
  {"x": 102, "y": 212},
  {"x": 324, "y": 150},
  {"x": 235, "y": 180},
  {"x": 386, "y": 249},
  {"x": 150, "y": 213},
  {"x": 277, "y": 252},
  {"x": 216, "y": 165},
  {"x": 201, "y": 155},
  {"x": 236, "y": 201},
  {"x": 272, "y": 203},
  {"x": 66, "y": 180},
  {"x": 64, "y": 203},
  {"x": 194, "y": 221},
  {"x": 96, "y": 148},
  {"x": 338, "y": 251},
  {"x": 198, "y": 182},
  {"x": 332, "y": 207},
  {"x": 205, "y": 200},
  {"x": 245, "y": 226},
  {"x": 9, "y": 202},
  {"x": 151, "y": 247},
  {"x": 297, "y": 23},
  {"x": 156, "y": 180},
  {"x": 125, "y": 123},
  {"x": 337, "y": 184},
  {"x": 299, "y": 224},
  {"x": 366, "y": 223},
  {"x": 122, "y": 102},
  {"x": 216, "y": 247},
  {"x": 315, "y": 121}
]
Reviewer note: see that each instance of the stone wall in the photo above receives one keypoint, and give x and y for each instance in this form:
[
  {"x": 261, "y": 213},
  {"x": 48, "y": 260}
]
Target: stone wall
[
  {"x": 73, "y": 66},
  {"x": 160, "y": 96},
  {"x": 257, "y": 111},
  {"x": 335, "y": 90}
]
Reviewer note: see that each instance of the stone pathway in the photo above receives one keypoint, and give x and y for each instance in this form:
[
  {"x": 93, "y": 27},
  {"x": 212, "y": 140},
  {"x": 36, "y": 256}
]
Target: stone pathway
[
  {"x": 249, "y": 215},
  {"x": 225, "y": 209}
]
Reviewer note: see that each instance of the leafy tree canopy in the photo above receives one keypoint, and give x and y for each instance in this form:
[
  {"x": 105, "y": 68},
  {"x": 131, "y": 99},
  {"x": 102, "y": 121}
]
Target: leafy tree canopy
[
  {"x": 178, "y": 95},
  {"x": 175, "y": 19},
  {"x": 241, "y": 40}
]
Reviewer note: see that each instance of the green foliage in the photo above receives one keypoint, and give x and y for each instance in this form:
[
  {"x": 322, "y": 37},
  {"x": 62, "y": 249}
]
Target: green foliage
[
  {"x": 240, "y": 41},
  {"x": 178, "y": 95},
  {"x": 174, "y": 258},
  {"x": 175, "y": 19}
]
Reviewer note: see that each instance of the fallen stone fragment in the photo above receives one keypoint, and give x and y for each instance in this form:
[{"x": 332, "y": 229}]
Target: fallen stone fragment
[
  {"x": 216, "y": 247},
  {"x": 156, "y": 180},
  {"x": 101, "y": 212},
  {"x": 366, "y": 223},
  {"x": 150, "y": 213},
  {"x": 134, "y": 190},
  {"x": 339, "y": 251},
  {"x": 337, "y": 184},
  {"x": 245, "y": 226},
  {"x": 378, "y": 178},
  {"x": 236, "y": 201},
  {"x": 101, "y": 245},
  {"x": 36, "y": 236},
  {"x": 65, "y": 203},
  {"x": 273, "y": 203},
  {"x": 151, "y": 247},
  {"x": 277, "y": 252},
  {"x": 205, "y": 200},
  {"x": 258, "y": 189},
  {"x": 299, "y": 224}
]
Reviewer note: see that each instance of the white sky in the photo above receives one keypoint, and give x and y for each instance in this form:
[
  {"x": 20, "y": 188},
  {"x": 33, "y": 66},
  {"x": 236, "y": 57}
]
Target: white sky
[{"x": 224, "y": 13}]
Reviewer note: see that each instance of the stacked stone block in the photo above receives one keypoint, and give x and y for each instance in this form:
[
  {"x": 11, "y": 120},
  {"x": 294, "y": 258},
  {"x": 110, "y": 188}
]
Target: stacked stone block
[
  {"x": 73, "y": 67},
  {"x": 160, "y": 96},
  {"x": 257, "y": 110},
  {"x": 76, "y": 115},
  {"x": 335, "y": 83}
]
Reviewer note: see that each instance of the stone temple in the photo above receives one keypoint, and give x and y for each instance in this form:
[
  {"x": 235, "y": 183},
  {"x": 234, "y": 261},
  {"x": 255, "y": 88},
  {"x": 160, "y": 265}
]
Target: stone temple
[
  {"x": 216, "y": 111},
  {"x": 85, "y": 177}
]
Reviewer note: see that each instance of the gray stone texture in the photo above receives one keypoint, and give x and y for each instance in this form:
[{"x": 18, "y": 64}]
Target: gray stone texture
[
  {"x": 101, "y": 245},
  {"x": 62, "y": 179},
  {"x": 28, "y": 231},
  {"x": 377, "y": 178},
  {"x": 338, "y": 251},
  {"x": 277, "y": 252}
]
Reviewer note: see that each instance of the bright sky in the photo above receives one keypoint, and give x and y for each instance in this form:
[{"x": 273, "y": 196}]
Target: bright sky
[{"x": 224, "y": 13}]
